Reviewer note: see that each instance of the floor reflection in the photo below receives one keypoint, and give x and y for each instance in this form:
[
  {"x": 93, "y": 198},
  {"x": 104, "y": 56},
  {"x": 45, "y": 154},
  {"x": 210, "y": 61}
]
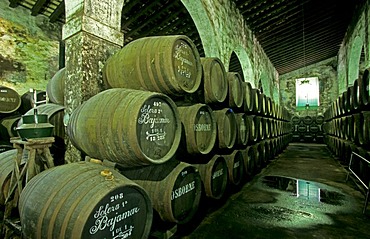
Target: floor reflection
[{"x": 305, "y": 189}]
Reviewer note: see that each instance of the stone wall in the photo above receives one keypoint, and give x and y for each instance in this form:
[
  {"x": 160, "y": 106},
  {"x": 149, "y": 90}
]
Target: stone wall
[
  {"x": 29, "y": 45},
  {"x": 353, "y": 56},
  {"x": 336, "y": 74},
  {"x": 223, "y": 31},
  {"x": 29, "y": 49},
  {"x": 328, "y": 86}
]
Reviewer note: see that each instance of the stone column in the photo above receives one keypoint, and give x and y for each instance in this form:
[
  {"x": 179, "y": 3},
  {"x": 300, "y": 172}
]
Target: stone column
[{"x": 92, "y": 33}]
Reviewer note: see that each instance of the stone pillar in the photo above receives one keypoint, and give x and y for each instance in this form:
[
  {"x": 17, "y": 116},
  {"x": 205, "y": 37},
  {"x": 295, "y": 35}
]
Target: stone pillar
[{"x": 92, "y": 33}]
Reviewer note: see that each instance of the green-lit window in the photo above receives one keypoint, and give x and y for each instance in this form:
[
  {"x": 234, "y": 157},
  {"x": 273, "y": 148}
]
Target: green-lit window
[{"x": 307, "y": 93}]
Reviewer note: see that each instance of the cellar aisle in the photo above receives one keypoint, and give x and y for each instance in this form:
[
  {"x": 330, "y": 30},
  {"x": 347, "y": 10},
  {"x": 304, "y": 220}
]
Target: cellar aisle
[{"x": 268, "y": 206}]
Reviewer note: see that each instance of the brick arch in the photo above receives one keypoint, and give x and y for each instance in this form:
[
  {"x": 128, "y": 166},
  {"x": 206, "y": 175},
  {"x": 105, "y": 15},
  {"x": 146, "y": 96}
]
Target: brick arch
[
  {"x": 204, "y": 27},
  {"x": 240, "y": 54},
  {"x": 354, "y": 59}
]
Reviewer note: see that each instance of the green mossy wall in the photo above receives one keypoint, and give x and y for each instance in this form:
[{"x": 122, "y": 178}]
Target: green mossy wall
[{"x": 29, "y": 49}]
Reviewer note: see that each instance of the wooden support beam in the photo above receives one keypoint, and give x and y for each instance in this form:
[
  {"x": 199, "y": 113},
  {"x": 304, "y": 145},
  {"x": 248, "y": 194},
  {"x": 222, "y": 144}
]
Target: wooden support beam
[
  {"x": 58, "y": 12},
  {"x": 36, "y": 9}
]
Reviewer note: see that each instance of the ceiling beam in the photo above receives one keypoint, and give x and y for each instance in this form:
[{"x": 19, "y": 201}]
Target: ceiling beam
[
  {"x": 58, "y": 12},
  {"x": 152, "y": 18},
  {"x": 314, "y": 31},
  {"x": 14, "y": 3},
  {"x": 143, "y": 12},
  {"x": 286, "y": 14},
  {"x": 38, "y": 5}
]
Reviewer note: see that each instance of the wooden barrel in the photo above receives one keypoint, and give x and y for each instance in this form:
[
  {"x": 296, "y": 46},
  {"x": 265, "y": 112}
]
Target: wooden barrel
[
  {"x": 10, "y": 124},
  {"x": 5, "y": 146},
  {"x": 319, "y": 119},
  {"x": 261, "y": 153},
  {"x": 269, "y": 106},
  {"x": 366, "y": 129},
  {"x": 268, "y": 127},
  {"x": 363, "y": 85},
  {"x": 55, "y": 87},
  {"x": 307, "y": 120},
  {"x": 226, "y": 128},
  {"x": 355, "y": 95},
  {"x": 261, "y": 104},
  {"x": 131, "y": 127},
  {"x": 253, "y": 133},
  {"x": 358, "y": 129},
  {"x": 10, "y": 100},
  {"x": 166, "y": 64},
  {"x": 296, "y": 119},
  {"x": 259, "y": 128},
  {"x": 269, "y": 154},
  {"x": 242, "y": 136},
  {"x": 257, "y": 156},
  {"x": 174, "y": 188},
  {"x": 200, "y": 127},
  {"x": 28, "y": 100},
  {"x": 248, "y": 97},
  {"x": 215, "y": 85},
  {"x": 214, "y": 175},
  {"x": 6, "y": 168},
  {"x": 255, "y": 100},
  {"x": 249, "y": 162},
  {"x": 235, "y": 166},
  {"x": 236, "y": 90},
  {"x": 84, "y": 200}
]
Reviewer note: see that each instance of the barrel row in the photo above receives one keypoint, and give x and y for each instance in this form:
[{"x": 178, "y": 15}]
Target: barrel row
[
  {"x": 353, "y": 127},
  {"x": 307, "y": 129},
  {"x": 354, "y": 100},
  {"x": 173, "y": 189},
  {"x": 142, "y": 130}
]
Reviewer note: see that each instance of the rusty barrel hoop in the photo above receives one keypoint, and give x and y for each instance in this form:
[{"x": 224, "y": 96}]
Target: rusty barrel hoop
[
  {"x": 10, "y": 100},
  {"x": 131, "y": 127},
  {"x": 200, "y": 126},
  {"x": 55, "y": 87},
  {"x": 84, "y": 200},
  {"x": 236, "y": 90},
  {"x": 215, "y": 84},
  {"x": 166, "y": 64},
  {"x": 174, "y": 188}
]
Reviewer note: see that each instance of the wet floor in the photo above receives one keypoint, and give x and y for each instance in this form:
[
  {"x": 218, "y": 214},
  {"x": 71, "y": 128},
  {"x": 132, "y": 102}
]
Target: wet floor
[{"x": 302, "y": 193}]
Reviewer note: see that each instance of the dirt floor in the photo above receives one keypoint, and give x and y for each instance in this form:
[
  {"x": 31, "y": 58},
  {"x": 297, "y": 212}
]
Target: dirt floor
[{"x": 302, "y": 193}]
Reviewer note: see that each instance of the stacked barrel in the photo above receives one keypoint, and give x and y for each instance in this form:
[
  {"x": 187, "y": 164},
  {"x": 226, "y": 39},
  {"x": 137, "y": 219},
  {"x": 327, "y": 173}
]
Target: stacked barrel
[
  {"x": 174, "y": 100},
  {"x": 308, "y": 129},
  {"x": 177, "y": 127},
  {"x": 347, "y": 122}
]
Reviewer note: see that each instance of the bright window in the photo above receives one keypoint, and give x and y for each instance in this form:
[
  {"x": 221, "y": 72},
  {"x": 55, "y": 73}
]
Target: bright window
[{"x": 307, "y": 93}]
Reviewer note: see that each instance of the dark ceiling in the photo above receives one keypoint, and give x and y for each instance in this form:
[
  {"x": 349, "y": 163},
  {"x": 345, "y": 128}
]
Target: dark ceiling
[{"x": 293, "y": 33}]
